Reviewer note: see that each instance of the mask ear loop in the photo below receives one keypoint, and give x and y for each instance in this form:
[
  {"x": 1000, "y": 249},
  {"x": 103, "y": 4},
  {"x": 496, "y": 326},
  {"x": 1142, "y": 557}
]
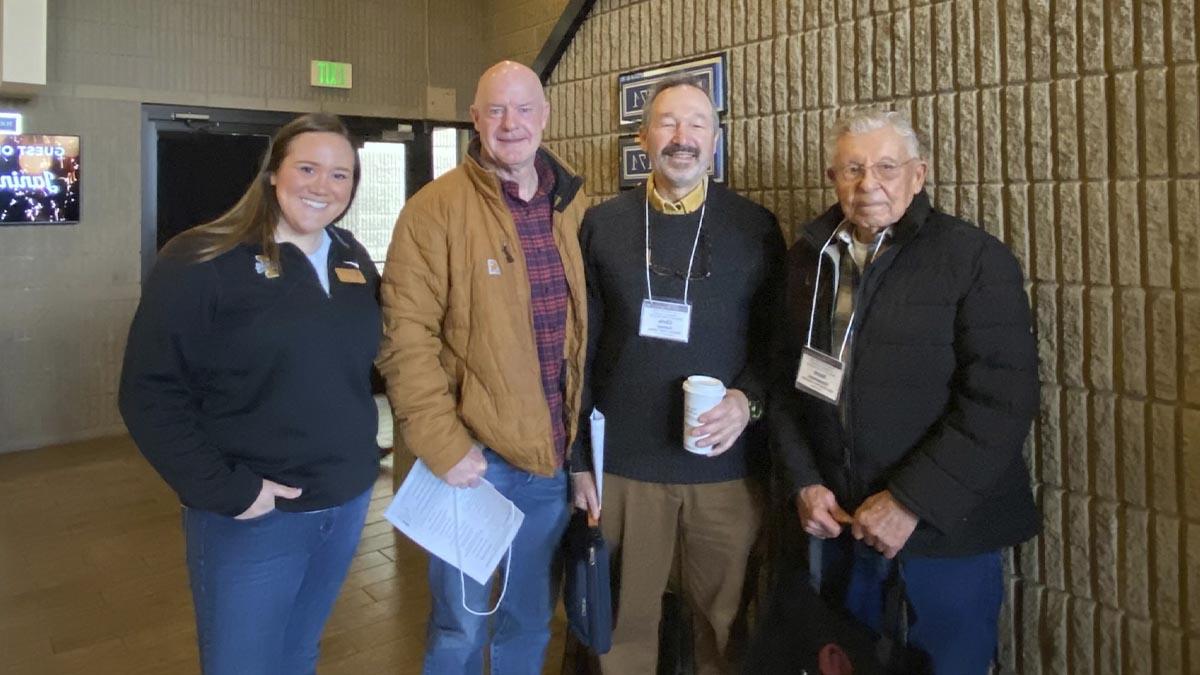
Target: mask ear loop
[{"x": 462, "y": 581}]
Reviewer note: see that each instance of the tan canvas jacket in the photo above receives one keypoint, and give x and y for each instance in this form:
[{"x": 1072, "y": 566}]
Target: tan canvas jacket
[{"x": 458, "y": 352}]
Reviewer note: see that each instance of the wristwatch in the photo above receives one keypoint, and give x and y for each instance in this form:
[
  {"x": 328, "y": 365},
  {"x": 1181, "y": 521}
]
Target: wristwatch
[{"x": 756, "y": 407}]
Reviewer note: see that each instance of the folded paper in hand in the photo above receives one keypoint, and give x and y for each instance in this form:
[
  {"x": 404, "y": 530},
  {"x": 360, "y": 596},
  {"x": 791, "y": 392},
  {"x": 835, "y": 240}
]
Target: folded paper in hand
[{"x": 483, "y": 521}]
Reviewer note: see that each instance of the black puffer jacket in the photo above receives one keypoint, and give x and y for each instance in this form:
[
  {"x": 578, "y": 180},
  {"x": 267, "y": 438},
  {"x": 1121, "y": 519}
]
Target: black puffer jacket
[{"x": 942, "y": 384}]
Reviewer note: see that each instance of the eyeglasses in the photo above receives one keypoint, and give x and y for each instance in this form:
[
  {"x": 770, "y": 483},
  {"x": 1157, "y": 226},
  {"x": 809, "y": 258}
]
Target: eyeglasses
[
  {"x": 883, "y": 171},
  {"x": 701, "y": 269}
]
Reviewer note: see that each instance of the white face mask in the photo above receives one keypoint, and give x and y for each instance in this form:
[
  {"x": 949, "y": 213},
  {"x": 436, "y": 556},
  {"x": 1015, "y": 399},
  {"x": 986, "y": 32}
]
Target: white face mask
[{"x": 462, "y": 580}]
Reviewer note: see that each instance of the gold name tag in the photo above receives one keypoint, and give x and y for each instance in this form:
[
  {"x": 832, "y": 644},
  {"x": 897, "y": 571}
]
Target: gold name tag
[{"x": 349, "y": 275}]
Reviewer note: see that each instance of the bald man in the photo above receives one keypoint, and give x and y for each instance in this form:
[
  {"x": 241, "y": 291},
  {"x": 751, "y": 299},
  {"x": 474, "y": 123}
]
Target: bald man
[{"x": 483, "y": 351}]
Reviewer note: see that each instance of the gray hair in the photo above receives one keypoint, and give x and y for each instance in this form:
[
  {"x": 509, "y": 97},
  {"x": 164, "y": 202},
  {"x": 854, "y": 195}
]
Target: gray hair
[
  {"x": 670, "y": 82},
  {"x": 866, "y": 121}
]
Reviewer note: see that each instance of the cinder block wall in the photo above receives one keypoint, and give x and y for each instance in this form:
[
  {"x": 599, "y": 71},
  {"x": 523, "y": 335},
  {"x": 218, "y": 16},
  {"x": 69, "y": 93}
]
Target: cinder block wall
[
  {"x": 1069, "y": 129},
  {"x": 67, "y": 293},
  {"x": 517, "y": 29}
]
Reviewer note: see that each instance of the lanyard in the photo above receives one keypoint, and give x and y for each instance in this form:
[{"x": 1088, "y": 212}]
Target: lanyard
[
  {"x": 687, "y": 280},
  {"x": 817, "y": 284}
]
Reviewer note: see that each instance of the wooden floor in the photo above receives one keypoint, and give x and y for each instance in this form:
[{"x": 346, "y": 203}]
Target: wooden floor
[{"x": 92, "y": 578}]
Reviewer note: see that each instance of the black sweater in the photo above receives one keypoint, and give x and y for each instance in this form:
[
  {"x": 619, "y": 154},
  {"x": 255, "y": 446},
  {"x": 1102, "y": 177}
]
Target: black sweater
[
  {"x": 942, "y": 389},
  {"x": 231, "y": 377},
  {"x": 636, "y": 381}
]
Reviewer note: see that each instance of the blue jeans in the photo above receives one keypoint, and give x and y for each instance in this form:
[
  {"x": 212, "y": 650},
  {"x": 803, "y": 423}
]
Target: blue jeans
[
  {"x": 264, "y": 587},
  {"x": 520, "y": 629},
  {"x": 954, "y": 603}
]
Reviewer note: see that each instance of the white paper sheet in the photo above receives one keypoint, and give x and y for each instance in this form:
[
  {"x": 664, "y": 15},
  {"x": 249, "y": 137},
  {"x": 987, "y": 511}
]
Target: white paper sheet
[
  {"x": 424, "y": 510},
  {"x": 597, "y": 420}
]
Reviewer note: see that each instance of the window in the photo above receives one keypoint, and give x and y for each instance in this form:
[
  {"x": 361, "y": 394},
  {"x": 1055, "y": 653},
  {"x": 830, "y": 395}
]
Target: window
[
  {"x": 449, "y": 146},
  {"x": 379, "y": 199}
]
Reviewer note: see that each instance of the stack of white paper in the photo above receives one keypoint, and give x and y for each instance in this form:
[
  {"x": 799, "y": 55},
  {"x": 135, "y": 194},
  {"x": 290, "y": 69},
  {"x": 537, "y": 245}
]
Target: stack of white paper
[
  {"x": 484, "y": 521},
  {"x": 597, "y": 429}
]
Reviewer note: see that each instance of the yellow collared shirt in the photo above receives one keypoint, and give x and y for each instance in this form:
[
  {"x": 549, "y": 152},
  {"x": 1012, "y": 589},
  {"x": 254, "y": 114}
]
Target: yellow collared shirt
[{"x": 690, "y": 203}]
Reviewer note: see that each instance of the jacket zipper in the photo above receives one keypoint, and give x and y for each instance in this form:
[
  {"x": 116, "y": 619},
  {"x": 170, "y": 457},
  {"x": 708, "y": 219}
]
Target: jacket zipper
[
  {"x": 848, "y": 446},
  {"x": 855, "y": 491}
]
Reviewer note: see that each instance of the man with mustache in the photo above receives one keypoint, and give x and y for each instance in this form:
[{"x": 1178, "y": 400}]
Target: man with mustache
[
  {"x": 904, "y": 396},
  {"x": 483, "y": 306},
  {"x": 682, "y": 278}
]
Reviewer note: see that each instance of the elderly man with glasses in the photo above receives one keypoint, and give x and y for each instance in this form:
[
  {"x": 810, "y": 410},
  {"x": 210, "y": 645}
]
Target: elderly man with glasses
[
  {"x": 682, "y": 278},
  {"x": 903, "y": 397}
]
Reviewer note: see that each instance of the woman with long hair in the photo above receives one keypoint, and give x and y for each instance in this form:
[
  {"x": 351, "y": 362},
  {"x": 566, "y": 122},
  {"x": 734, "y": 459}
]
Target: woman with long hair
[{"x": 246, "y": 385}]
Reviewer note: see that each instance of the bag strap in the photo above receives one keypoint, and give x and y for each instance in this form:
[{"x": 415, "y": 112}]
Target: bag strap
[{"x": 893, "y": 636}]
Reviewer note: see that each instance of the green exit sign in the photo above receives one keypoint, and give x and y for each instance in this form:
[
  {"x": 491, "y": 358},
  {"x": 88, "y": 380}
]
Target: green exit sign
[{"x": 330, "y": 74}]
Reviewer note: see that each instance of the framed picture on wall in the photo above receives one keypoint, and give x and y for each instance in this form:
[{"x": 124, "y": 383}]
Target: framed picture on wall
[
  {"x": 635, "y": 86},
  {"x": 635, "y": 165}
]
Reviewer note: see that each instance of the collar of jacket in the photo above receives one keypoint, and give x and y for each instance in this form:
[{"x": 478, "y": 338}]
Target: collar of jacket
[
  {"x": 338, "y": 246},
  {"x": 566, "y": 182},
  {"x": 336, "y": 236},
  {"x": 715, "y": 196},
  {"x": 908, "y": 226}
]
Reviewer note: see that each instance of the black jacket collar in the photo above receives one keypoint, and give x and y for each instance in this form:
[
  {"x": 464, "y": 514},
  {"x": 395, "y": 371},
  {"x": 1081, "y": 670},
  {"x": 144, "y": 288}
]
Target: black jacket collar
[{"x": 919, "y": 210}]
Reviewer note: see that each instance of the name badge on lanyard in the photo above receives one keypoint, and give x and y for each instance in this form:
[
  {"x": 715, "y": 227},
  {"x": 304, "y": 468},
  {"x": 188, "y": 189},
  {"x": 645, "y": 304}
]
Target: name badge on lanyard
[
  {"x": 820, "y": 375},
  {"x": 665, "y": 320},
  {"x": 669, "y": 319}
]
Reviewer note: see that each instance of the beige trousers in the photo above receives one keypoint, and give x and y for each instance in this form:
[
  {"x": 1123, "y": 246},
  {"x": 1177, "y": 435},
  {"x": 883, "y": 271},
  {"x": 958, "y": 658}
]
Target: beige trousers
[{"x": 715, "y": 525}]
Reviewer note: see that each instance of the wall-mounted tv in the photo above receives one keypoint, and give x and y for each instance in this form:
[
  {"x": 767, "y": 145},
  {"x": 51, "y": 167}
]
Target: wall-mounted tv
[{"x": 39, "y": 179}]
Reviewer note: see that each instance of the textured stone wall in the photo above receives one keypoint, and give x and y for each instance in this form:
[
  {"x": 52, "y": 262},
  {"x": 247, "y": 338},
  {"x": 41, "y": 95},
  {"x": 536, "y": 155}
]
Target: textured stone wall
[
  {"x": 517, "y": 29},
  {"x": 1068, "y": 128}
]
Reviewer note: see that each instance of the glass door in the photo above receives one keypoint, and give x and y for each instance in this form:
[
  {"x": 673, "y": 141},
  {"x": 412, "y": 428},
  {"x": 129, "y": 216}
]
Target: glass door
[{"x": 381, "y": 194}]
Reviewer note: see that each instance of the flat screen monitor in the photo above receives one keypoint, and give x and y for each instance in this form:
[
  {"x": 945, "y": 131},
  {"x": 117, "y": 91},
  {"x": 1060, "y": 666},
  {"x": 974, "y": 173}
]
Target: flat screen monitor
[{"x": 39, "y": 179}]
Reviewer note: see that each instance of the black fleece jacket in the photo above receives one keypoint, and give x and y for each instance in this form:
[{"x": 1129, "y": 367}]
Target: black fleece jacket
[
  {"x": 636, "y": 381},
  {"x": 942, "y": 385},
  {"x": 231, "y": 377}
]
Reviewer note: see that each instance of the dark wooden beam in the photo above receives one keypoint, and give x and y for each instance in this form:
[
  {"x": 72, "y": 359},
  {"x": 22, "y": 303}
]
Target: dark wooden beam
[{"x": 560, "y": 37}]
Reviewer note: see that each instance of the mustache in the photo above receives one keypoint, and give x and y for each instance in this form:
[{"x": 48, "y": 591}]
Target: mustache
[{"x": 674, "y": 148}]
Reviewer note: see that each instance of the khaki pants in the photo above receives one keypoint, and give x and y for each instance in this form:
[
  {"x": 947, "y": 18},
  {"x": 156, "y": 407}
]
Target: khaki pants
[{"x": 715, "y": 525}]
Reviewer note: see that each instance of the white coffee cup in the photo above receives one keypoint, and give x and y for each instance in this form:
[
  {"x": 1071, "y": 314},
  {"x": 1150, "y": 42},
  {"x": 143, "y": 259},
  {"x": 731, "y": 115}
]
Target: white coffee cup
[{"x": 701, "y": 393}]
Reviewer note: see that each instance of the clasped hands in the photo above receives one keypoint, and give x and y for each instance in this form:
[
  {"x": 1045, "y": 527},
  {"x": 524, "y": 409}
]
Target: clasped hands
[{"x": 881, "y": 522}]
